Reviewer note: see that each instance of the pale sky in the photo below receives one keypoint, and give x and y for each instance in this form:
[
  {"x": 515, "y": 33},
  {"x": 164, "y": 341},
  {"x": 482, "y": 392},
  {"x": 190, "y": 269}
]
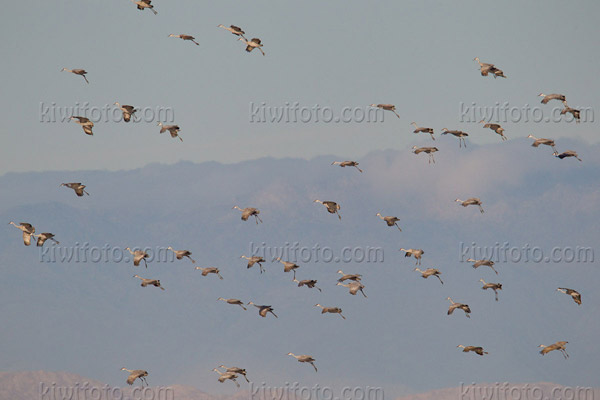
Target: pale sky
[{"x": 417, "y": 55}]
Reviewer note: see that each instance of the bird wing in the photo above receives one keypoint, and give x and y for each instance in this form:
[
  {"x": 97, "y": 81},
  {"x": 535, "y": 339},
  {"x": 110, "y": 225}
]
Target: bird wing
[{"x": 255, "y": 40}]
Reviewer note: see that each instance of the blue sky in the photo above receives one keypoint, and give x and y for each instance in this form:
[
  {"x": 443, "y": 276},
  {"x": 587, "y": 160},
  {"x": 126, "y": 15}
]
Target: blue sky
[{"x": 417, "y": 55}]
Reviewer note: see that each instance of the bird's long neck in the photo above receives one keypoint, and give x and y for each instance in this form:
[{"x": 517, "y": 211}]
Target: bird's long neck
[
  {"x": 125, "y": 369},
  {"x": 418, "y": 269},
  {"x": 380, "y": 216},
  {"x": 451, "y": 301},
  {"x": 414, "y": 123}
]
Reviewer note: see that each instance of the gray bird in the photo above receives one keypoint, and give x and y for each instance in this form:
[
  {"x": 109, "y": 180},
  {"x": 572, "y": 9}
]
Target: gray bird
[
  {"x": 27, "y": 229},
  {"x": 566, "y": 154},
  {"x": 249, "y": 211},
  {"x": 210, "y": 270},
  {"x": 304, "y": 358},
  {"x": 77, "y": 187},
  {"x": 494, "y": 286},
  {"x": 459, "y": 134},
  {"x": 387, "y": 107},
  {"x": 479, "y": 263},
  {"x": 255, "y": 260},
  {"x": 430, "y": 272},
  {"x": 77, "y": 71},
  {"x": 332, "y": 207},
  {"x": 427, "y": 150},
  {"x": 472, "y": 201},
  {"x": 263, "y": 310},
  {"x": 85, "y": 123},
  {"x": 419, "y": 129},
  {"x": 454, "y": 306},
  {"x": 390, "y": 221},
  {"x": 173, "y": 130},
  {"x": 330, "y": 310},
  {"x": 474, "y": 349},
  {"x": 136, "y": 374},
  {"x": 553, "y": 96},
  {"x": 143, "y": 4},
  {"x": 149, "y": 282},
  {"x": 344, "y": 164}
]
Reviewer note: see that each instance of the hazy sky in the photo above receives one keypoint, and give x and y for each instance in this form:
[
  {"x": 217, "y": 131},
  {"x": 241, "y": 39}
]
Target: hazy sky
[{"x": 417, "y": 55}]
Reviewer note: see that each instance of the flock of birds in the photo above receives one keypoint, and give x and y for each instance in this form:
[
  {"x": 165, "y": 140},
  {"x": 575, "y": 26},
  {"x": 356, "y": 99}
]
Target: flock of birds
[{"x": 353, "y": 282}]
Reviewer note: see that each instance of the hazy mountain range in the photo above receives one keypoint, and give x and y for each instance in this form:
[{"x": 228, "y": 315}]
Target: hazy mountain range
[{"x": 94, "y": 318}]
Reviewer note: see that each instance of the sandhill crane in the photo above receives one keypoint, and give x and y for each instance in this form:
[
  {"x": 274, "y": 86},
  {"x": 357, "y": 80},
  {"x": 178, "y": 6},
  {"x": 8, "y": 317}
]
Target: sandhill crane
[
  {"x": 459, "y": 134},
  {"x": 427, "y": 150},
  {"x": 345, "y": 277},
  {"x": 556, "y": 346},
  {"x": 138, "y": 255},
  {"x": 288, "y": 266},
  {"x": 77, "y": 187},
  {"x": 567, "y": 153},
  {"x": 472, "y": 201},
  {"x": 454, "y": 306},
  {"x": 255, "y": 260},
  {"x": 247, "y": 212},
  {"x": 151, "y": 282},
  {"x": 416, "y": 253},
  {"x": 475, "y": 349},
  {"x": 85, "y": 123},
  {"x": 353, "y": 287},
  {"x": 390, "y": 221},
  {"x": 430, "y": 272},
  {"x": 185, "y": 37},
  {"x": 236, "y": 370},
  {"x": 553, "y": 96},
  {"x": 42, "y": 237},
  {"x": 142, "y": 4},
  {"x": 576, "y": 113},
  {"x": 233, "y": 301},
  {"x": 77, "y": 71},
  {"x": 136, "y": 374},
  {"x": 28, "y": 231},
  {"x": 331, "y": 310},
  {"x": 173, "y": 130},
  {"x": 479, "y": 263},
  {"x": 252, "y": 44},
  {"x": 227, "y": 376},
  {"x": 236, "y": 30},
  {"x": 332, "y": 207},
  {"x": 128, "y": 111},
  {"x": 419, "y": 129},
  {"x": 573, "y": 293},
  {"x": 387, "y": 107},
  {"x": 179, "y": 254},
  {"x": 347, "y": 164},
  {"x": 486, "y": 68},
  {"x": 210, "y": 270},
  {"x": 304, "y": 358},
  {"x": 309, "y": 283},
  {"x": 494, "y": 286},
  {"x": 263, "y": 310},
  {"x": 495, "y": 127},
  {"x": 538, "y": 141}
]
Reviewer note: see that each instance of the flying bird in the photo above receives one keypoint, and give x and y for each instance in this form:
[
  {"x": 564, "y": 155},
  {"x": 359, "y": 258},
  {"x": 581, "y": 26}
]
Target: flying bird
[
  {"x": 494, "y": 286},
  {"x": 553, "y": 96},
  {"x": 416, "y": 253},
  {"x": 227, "y": 376},
  {"x": 233, "y": 301},
  {"x": 263, "y": 310},
  {"x": 430, "y": 272},
  {"x": 236, "y": 30},
  {"x": 351, "y": 277},
  {"x": 347, "y": 164},
  {"x": 150, "y": 282},
  {"x": 77, "y": 71},
  {"x": 479, "y": 263},
  {"x": 136, "y": 374},
  {"x": 249, "y": 211},
  {"x": 454, "y": 306},
  {"x": 185, "y": 37},
  {"x": 538, "y": 141},
  {"x": 576, "y": 113},
  {"x": 173, "y": 130},
  {"x": 556, "y": 346},
  {"x": 143, "y": 4},
  {"x": 85, "y": 123},
  {"x": 419, "y": 129},
  {"x": 309, "y": 283},
  {"x": 353, "y": 287},
  {"x": 475, "y": 349},
  {"x": 28, "y": 231},
  {"x": 472, "y": 201},
  {"x": 288, "y": 266},
  {"x": 332, "y": 207},
  {"x": 427, "y": 150},
  {"x": 304, "y": 358},
  {"x": 42, "y": 237},
  {"x": 331, "y": 310},
  {"x": 252, "y": 44},
  {"x": 236, "y": 370},
  {"x": 390, "y": 221},
  {"x": 210, "y": 270},
  {"x": 459, "y": 134},
  {"x": 255, "y": 260},
  {"x": 387, "y": 107},
  {"x": 573, "y": 293},
  {"x": 77, "y": 187},
  {"x": 138, "y": 255},
  {"x": 486, "y": 68},
  {"x": 128, "y": 111},
  {"x": 565, "y": 154},
  {"x": 495, "y": 127},
  {"x": 179, "y": 254}
]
